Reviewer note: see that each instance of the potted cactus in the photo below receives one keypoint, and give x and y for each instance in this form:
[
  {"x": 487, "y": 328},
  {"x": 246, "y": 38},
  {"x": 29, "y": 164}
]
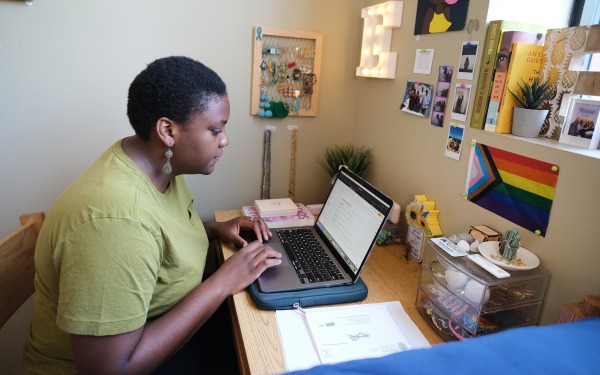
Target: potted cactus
[{"x": 528, "y": 117}]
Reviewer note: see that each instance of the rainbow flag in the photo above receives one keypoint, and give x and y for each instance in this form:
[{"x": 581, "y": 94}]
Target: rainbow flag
[{"x": 518, "y": 188}]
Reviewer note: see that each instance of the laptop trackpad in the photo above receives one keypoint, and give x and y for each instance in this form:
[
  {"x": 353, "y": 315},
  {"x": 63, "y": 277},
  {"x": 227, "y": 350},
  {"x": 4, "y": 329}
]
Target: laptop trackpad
[
  {"x": 250, "y": 236},
  {"x": 284, "y": 259}
]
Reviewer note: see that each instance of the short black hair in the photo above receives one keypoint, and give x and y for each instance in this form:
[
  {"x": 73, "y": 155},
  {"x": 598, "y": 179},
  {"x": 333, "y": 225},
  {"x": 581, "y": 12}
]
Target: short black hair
[{"x": 176, "y": 87}]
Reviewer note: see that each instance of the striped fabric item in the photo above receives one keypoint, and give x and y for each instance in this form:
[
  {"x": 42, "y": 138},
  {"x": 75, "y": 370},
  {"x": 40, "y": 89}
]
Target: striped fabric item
[{"x": 518, "y": 188}]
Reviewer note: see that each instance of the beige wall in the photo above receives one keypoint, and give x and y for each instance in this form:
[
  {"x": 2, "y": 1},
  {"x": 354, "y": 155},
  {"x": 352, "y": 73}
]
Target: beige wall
[
  {"x": 409, "y": 159},
  {"x": 65, "y": 67}
]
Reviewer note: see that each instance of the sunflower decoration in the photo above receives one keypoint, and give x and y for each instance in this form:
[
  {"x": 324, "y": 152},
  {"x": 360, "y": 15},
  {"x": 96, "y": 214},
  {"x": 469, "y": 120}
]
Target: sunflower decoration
[
  {"x": 413, "y": 214},
  {"x": 420, "y": 213},
  {"x": 424, "y": 225},
  {"x": 434, "y": 223}
]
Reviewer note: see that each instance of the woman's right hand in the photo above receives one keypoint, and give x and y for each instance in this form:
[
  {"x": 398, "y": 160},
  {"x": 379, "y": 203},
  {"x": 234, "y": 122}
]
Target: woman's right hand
[{"x": 246, "y": 265}]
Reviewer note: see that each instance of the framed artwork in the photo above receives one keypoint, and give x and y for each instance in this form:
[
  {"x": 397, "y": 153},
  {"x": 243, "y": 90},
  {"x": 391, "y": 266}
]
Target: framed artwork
[
  {"x": 440, "y": 16},
  {"x": 579, "y": 128},
  {"x": 462, "y": 94}
]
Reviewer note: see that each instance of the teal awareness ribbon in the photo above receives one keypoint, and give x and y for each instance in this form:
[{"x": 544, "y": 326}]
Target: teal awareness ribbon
[{"x": 259, "y": 33}]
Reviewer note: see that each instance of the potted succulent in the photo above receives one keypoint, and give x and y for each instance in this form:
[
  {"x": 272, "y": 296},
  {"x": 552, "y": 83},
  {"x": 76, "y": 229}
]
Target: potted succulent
[
  {"x": 356, "y": 158},
  {"x": 529, "y": 117}
]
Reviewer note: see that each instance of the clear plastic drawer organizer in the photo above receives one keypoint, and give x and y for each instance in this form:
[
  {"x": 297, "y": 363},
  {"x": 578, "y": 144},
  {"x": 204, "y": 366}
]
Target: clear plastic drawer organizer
[{"x": 460, "y": 300}]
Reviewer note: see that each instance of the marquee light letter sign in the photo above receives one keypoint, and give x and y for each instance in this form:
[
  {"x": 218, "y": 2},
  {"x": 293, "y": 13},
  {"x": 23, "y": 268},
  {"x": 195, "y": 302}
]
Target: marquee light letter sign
[{"x": 376, "y": 60}]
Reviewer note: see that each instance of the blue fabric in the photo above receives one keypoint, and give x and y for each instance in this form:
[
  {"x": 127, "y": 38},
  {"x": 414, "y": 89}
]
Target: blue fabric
[{"x": 570, "y": 348}]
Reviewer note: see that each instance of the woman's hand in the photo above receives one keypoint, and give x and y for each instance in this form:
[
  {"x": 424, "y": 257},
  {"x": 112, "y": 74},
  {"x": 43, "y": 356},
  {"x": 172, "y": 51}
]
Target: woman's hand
[
  {"x": 230, "y": 230},
  {"x": 246, "y": 265},
  {"x": 144, "y": 349}
]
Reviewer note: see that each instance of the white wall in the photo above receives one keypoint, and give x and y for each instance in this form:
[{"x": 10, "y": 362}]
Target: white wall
[
  {"x": 543, "y": 12},
  {"x": 65, "y": 67},
  {"x": 410, "y": 160}
]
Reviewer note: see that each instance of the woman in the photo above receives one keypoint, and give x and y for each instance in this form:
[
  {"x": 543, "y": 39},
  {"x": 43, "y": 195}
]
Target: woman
[{"x": 120, "y": 257}]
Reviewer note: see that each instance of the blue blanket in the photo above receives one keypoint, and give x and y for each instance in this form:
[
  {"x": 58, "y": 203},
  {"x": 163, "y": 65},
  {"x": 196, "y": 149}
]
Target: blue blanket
[{"x": 570, "y": 348}]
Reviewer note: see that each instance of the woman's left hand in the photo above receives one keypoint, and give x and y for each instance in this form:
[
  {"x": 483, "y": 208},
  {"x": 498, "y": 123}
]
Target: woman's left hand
[{"x": 230, "y": 230}]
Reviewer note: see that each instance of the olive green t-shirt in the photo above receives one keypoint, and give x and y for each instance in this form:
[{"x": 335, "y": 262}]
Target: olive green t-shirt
[{"x": 113, "y": 253}]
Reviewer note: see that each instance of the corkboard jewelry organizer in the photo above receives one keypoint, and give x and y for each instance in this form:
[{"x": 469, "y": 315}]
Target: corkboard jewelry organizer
[{"x": 286, "y": 68}]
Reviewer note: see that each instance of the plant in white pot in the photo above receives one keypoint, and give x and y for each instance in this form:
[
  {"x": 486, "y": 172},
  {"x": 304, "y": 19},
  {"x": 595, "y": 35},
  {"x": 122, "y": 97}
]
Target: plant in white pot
[{"x": 529, "y": 117}]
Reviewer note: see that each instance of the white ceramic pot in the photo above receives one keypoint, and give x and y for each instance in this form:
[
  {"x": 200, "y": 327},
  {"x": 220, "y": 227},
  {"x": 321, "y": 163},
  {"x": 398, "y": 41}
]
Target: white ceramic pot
[{"x": 528, "y": 122}]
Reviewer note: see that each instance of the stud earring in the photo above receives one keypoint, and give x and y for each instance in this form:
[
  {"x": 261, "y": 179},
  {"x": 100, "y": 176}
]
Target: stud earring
[{"x": 167, "y": 169}]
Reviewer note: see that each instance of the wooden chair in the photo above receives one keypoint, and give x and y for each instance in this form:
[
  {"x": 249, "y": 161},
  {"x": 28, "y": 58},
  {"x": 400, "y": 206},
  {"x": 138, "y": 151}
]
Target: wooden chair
[
  {"x": 16, "y": 291},
  {"x": 16, "y": 264}
]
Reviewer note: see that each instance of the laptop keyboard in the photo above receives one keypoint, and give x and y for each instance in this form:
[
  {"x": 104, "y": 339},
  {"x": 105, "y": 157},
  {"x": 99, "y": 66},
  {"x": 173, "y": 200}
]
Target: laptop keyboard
[{"x": 311, "y": 262}]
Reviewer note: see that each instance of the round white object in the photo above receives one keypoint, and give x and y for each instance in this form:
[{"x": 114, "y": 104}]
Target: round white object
[
  {"x": 475, "y": 246},
  {"x": 455, "y": 280},
  {"x": 463, "y": 245},
  {"x": 474, "y": 291}
]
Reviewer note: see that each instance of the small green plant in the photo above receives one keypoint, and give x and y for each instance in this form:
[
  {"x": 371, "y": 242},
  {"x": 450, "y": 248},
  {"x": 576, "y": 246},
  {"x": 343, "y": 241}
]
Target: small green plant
[
  {"x": 533, "y": 94},
  {"x": 356, "y": 158}
]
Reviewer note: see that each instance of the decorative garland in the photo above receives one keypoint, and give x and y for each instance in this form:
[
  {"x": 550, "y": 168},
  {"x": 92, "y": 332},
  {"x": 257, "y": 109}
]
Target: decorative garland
[
  {"x": 292, "y": 180},
  {"x": 266, "y": 178}
]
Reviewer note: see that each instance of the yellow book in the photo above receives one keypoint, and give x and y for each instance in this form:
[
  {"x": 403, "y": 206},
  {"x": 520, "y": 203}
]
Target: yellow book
[
  {"x": 489, "y": 61},
  {"x": 525, "y": 63}
]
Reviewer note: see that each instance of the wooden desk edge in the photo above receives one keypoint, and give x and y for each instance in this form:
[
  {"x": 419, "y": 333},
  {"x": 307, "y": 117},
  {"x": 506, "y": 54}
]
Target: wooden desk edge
[{"x": 385, "y": 259}]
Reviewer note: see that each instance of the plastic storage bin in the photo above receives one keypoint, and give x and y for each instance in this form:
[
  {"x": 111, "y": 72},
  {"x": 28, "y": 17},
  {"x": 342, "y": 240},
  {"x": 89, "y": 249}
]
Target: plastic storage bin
[{"x": 460, "y": 300}]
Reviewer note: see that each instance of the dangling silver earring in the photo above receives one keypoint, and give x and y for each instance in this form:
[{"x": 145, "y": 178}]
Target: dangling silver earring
[{"x": 167, "y": 169}]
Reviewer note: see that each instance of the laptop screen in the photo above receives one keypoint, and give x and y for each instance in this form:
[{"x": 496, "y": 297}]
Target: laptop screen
[{"x": 352, "y": 218}]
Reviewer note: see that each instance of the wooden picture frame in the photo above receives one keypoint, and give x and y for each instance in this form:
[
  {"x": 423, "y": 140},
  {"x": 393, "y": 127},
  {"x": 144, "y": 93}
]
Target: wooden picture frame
[
  {"x": 579, "y": 128},
  {"x": 286, "y": 72}
]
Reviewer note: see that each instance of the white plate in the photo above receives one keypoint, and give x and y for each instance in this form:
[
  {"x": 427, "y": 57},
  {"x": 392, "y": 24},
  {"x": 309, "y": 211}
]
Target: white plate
[{"x": 490, "y": 248}]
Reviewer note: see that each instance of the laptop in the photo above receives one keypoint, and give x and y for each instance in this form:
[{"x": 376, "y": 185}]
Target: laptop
[{"x": 346, "y": 230}]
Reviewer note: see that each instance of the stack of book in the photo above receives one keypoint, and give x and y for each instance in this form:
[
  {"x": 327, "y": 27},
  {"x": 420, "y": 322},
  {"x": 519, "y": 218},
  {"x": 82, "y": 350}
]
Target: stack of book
[
  {"x": 524, "y": 66},
  {"x": 301, "y": 218},
  {"x": 499, "y": 55}
]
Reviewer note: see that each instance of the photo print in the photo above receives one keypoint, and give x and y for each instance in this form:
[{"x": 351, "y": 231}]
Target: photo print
[
  {"x": 417, "y": 98},
  {"x": 462, "y": 94},
  {"x": 454, "y": 142},
  {"x": 466, "y": 63},
  {"x": 442, "y": 92},
  {"x": 579, "y": 128}
]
